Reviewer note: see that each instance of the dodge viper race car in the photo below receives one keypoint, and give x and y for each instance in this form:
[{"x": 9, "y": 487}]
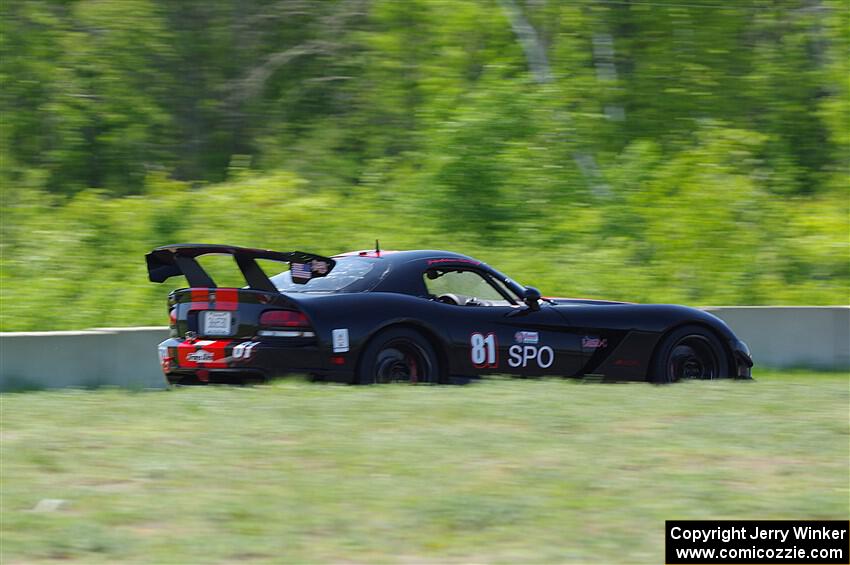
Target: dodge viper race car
[{"x": 417, "y": 316}]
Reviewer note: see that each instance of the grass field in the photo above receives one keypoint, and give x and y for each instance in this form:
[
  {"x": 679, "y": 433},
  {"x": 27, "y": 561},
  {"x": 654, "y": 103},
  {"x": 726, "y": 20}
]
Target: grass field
[{"x": 498, "y": 471}]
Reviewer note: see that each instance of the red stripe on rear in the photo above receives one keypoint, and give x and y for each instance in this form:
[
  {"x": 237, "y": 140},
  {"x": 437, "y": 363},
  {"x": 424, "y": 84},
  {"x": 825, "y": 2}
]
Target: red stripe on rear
[
  {"x": 200, "y": 295},
  {"x": 218, "y": 349},
  {"x": 200, "y": 299},
  {"x": 227, "y": 299}
]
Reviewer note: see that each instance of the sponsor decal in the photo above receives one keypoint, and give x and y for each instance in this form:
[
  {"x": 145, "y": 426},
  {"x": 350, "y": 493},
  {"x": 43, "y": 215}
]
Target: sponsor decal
[
  {"x": 201, "y": 356},
  {"x": 340, "y": 340},
  {"x": 527, "y": 337},
  {"x": 593, "y": 343},
  {"x": 192, "y": 353},
  {"x": 484, "y": 350},
  {"x": 523, "y": 355}
]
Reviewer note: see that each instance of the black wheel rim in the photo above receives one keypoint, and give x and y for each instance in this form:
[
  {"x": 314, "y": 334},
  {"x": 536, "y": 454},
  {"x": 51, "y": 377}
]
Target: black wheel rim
[
  {"x": 402, "y": 361},
  {"x": 692, "y": 357}
]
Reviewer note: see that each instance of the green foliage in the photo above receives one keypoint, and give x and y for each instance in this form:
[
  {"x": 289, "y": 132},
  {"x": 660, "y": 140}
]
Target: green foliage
[
  {"x": 674, "y": 153},
  {"x": 687, "y": 235}
]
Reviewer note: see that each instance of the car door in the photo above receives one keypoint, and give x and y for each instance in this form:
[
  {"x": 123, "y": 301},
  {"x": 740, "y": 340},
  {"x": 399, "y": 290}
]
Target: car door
[{"x": 491, "y": 332}]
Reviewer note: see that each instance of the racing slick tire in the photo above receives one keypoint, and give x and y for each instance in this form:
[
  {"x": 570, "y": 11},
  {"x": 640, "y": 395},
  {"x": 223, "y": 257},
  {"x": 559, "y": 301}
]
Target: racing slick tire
[
  {"x": 398, "y": 355},
  {"x": 689, "y": 352}
]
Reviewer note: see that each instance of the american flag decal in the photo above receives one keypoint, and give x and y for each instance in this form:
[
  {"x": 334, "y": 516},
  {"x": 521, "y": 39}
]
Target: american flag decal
[{"x": 300, "y": 271}]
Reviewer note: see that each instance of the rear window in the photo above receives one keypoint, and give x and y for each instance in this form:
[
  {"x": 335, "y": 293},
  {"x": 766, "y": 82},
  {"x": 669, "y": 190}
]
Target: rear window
[{"x": 350, "y": 274}]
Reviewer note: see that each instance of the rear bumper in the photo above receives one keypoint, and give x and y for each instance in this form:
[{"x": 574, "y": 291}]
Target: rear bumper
[
  {"x": 237, "y": 360},
  {"x": 215, "y": 376}
]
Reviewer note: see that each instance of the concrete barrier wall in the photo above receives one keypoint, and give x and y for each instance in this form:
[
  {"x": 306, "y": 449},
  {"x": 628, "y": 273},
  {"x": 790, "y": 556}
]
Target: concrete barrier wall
[
  {"x": 124, "y": 357},
  {"x": 806, "y": 337},
  {"x": 816, "y": 337}
]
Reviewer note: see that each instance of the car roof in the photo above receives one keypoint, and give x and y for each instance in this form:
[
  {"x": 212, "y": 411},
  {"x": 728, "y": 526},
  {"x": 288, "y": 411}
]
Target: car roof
[
  {"x": 397, "y": 257},
  {"x": 402, "y": 272}
]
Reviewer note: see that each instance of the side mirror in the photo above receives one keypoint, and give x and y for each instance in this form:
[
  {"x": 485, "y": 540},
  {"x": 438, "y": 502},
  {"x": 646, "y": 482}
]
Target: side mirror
[{"x": 532, "y": 298}]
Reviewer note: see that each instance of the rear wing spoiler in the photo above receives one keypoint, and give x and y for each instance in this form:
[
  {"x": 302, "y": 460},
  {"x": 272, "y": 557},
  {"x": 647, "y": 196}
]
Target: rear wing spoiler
[{"x": 181, "y": 259}]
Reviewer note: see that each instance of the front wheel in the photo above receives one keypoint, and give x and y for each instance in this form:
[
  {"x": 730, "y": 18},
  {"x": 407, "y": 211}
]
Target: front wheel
[
  {"x": 398, "y": 355},
  {"x": 690, "y": 352}
]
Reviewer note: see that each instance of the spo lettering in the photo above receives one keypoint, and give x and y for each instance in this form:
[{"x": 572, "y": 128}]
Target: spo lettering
[{"x": 521, "y": 355}]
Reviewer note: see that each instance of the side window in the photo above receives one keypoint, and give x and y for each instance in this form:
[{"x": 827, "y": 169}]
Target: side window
[{"x": 466, "y": 288}]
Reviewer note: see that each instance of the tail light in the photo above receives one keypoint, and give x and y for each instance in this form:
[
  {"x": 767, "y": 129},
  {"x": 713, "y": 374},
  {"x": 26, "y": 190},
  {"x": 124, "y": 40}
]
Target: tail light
[
  {"x": 285, "y": 323},
  {"x": 284, "y": 319}
]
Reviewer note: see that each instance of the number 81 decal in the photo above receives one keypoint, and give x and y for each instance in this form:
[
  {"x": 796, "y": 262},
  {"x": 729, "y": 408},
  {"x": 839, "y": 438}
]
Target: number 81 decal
[
  {"x": 244, "y": 350},
  {"x": 484, "y": 351}
]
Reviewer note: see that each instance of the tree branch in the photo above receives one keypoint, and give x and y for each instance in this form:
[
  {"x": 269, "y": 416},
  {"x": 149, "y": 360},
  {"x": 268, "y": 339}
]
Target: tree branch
[{"x": 535, "y": 53}]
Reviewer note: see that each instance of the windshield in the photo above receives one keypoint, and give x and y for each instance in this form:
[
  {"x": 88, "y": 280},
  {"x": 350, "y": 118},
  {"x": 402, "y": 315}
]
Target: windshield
[{"x": 344, "y": 277}]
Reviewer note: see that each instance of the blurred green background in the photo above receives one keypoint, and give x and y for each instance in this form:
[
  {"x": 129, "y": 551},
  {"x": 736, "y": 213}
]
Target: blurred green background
[
  {"x": 692, "y": 152},
  {"x": 505, "y": 471}
]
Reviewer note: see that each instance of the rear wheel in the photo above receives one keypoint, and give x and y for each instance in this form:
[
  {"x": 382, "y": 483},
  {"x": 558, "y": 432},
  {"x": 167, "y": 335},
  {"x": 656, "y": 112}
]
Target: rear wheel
[
  {"x": 690, "y": 352},
  {"x": 398, "y": 355}
]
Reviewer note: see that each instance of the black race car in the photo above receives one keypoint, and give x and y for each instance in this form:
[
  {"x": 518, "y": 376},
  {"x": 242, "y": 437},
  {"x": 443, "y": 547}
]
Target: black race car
[{"x": 418, "y": 316}]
